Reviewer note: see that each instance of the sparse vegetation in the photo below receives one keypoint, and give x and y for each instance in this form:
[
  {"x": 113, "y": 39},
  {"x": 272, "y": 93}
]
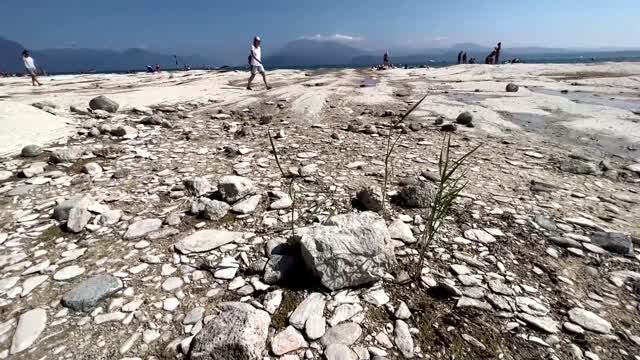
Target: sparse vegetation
[
  {"x": 52, "y": 233},
  {"x": 292, "y": 180},
  {"x": 448, "y": 190},
  {"x": 388, "y": 164},
  {"x": 290, "y": 300}
]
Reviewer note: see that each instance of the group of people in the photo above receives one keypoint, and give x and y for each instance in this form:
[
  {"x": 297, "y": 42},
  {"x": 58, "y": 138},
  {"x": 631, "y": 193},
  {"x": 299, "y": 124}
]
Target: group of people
[
  {"x": 492, "y": 58},
  {"x": 462, "y": 58}
]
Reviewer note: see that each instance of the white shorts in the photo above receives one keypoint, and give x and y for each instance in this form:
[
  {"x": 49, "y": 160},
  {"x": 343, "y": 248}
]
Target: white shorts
[{"x": 257, "y": 69}]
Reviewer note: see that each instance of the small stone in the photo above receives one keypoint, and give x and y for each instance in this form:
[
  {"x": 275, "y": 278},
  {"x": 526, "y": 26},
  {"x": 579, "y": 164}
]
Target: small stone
[
  {"x": 78, "y": 219},
  {"x": 234, "y": 188},
  {"x": 312, "y": 304},
  {"x": 546, "y": 324},
  {"x": 172, "y": 284},
  {"x": 248, "y": 205},
  {"x": 480, "y": 236},
  {"x": 110, "y": 317},
  {"x": 402, "y": 312},
  {"x": 287, "y": 341},
  {"x": 573, "y": 328},
  {"x": 30, "y": 325},
  {"x": 464, "y": 118},
  {"x": 590, "y": 321},
  {"x": 315, "y": 327},
  {"x": 141, "y": 228},
  {"x": 377, "y": 297},
  {"x": 86, "y": 295},
  {"x": 206, "y": 240},
  {"x": 272, "y": 301},
  {"x": 103, "y": 103},
  {"x": 193, "y": 316},
  {"x": 345, "y": 333},
  {"x": 31, "y": 151},
  {"x": 68, "y": 272},
  {"x": 339, "y": 352},
  {"x": 403, "y": 339},
  {"x": 401, "y": 231},
  {"x": 170, "y": 304},
  {"x": 344, "y": 312},
  {"x": 92, "y": 169},
  {"x": 150, "y": 335}
]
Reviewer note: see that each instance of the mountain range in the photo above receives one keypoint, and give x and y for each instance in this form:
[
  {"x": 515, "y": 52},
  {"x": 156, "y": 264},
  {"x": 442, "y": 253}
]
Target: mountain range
[
  {"x": 297, "y": 53},
  {"x": 86, "y": 60}
]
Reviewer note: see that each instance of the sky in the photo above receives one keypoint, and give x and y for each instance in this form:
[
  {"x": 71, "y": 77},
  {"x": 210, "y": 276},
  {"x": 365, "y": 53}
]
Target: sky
[{"x": 223, "y": 29}]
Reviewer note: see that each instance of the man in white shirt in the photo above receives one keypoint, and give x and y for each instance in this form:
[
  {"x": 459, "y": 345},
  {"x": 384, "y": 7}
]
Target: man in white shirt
[
  {"x": 255, "y": 61},
  {"x": 30, "y": 65}
]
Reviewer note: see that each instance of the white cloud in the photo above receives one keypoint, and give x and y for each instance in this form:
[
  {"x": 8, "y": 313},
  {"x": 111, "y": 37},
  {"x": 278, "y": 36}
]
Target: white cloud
[{"x": 333, "y": 37}]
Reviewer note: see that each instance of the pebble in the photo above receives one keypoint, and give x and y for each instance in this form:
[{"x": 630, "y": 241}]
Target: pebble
[
  {"x": 30, "y": 326},
  {"x": 68, "y": 273},
  {"x": 172, "y": 283}
]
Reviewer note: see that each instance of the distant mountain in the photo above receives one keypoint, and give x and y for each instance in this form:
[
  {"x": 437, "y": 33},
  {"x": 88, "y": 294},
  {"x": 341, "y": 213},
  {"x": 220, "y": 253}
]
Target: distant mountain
[
  {"x": 313, "y": 53},
  {"x": 84, "y": 60},
  {"x": 10, "y": 56}
]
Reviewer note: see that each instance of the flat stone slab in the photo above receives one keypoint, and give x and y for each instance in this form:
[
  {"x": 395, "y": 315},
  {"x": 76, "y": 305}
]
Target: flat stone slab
[
  {"x": 30, "y": 325},
  {"x": 590, "y": 321},
  {"x": 86, "y": 295},
  {"x": 346, "y": 333},
  {"x": 141, "y": 228},
  {"x": 206, "y": 240}
]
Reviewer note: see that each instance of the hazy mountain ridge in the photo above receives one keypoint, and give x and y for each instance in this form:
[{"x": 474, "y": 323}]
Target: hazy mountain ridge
[
  {"x": 297, "y": 53},
  {"x": 317, "y": 53},
  {"x": 83, "y": 60},
  {"x": 312, "y": 52}
]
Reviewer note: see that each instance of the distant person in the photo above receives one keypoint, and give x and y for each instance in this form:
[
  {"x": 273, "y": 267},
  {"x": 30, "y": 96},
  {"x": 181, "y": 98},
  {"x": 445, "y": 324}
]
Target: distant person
[
  {"x": 385, "y": 60},
  {"x": 472, "y": 60},
  {"x": 489, "y": 59},
  {"x": 497, "y": 50},
  {"x": 460, "y": 57},
  {"x": 156, "y": 68},
  {"x": 464, "y": 58},
  {"x": 30, "y": 65},
  {"x": 255, "y": 61}
]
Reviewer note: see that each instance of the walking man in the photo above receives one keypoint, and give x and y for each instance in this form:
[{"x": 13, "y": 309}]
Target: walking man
[
  {"x": 30, "y": 65},
  {"x": 255, "y": 61}
]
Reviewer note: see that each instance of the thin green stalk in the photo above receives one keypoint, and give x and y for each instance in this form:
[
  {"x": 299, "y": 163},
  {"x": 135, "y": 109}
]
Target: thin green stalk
[
  {"x": 448, "y": 190},
  {"x": 292, "y": 194},
  {"x": 389, "y": 150}
]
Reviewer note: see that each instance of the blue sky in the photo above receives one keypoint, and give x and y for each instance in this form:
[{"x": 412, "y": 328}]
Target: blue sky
[{"x": 223, "y": 29}]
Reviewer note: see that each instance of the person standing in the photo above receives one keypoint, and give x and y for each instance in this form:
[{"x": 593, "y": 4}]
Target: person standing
[
  {"x": 255, "y": 61},
  {"x": 497, "y": 53},
  {"x": 30, "y": 65},
  {"x": 464, "y": 58},
  {"x": 459, "y": 57},
  {"x": 385, "y": 60}
]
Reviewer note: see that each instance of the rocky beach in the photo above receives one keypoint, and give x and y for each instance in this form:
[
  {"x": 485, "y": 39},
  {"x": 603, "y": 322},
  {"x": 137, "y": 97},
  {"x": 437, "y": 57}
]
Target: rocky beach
[{"x": 147, "y": 216}]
